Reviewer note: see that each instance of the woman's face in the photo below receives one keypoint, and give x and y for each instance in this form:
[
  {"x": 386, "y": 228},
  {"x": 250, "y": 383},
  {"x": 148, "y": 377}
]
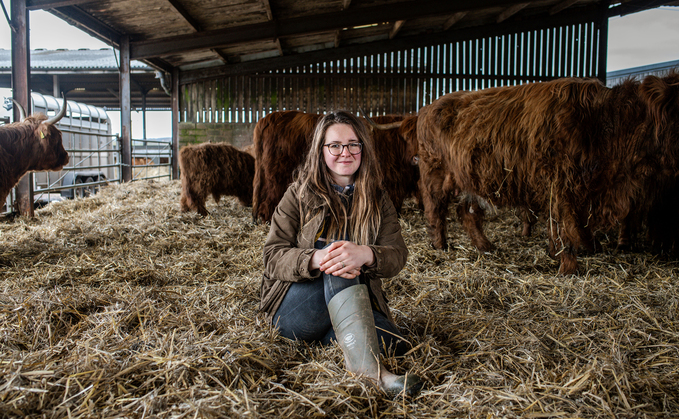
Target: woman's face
[{"x": 344, "y": 166}]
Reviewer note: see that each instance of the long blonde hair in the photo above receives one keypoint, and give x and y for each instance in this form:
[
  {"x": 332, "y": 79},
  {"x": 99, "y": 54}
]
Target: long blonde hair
[{"x": 362, "y": 222}]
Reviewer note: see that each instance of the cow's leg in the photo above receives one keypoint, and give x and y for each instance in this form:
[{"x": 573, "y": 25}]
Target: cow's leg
[
  {"x": 589, "y": 242},
  {"x": 435, "y": 200},
  {"x": 565, "y": 237},
  {"x": 528, "y": 219},
  {"x": 258, "y": 193},
  {"x": 471, "y": 216}
]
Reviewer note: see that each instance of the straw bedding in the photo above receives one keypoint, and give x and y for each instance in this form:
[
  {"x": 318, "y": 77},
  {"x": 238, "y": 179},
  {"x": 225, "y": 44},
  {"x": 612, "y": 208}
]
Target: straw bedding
[{"x": 118, "y": 305}]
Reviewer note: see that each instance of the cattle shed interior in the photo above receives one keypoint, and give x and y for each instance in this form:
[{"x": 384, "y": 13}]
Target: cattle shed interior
[
  {"x": 227, "y": 63},
  {"x": 236, "y": 61}
]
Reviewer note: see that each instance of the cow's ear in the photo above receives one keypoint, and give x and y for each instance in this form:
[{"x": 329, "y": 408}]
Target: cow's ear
[{"x": 42, "y": 131}]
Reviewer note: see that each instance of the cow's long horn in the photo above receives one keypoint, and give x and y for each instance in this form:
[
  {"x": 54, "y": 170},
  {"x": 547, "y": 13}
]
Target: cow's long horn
[
  {"x": 375, "y": 125},
  {"x": 53, "y": 120},
  {"x": 22, "y": 111}
]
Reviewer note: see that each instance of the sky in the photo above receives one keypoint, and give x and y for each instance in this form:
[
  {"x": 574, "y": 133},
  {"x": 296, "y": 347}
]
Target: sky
[{"x": 634, "y": 40}]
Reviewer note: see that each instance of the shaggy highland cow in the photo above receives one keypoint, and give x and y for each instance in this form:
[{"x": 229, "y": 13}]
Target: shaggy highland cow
[
  {"x": 217, "y": 170},
  {"x": 33, "y": 144},
  {"x": 574, "y": 150}
]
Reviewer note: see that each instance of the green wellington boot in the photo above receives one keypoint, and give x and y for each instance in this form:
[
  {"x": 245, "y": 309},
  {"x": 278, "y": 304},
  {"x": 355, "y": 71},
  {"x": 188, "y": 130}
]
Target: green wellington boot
[{"x": 352, "y": 319}]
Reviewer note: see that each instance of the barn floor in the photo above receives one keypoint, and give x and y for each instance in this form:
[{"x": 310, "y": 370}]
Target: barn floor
[{"x": 120, "y": 306}]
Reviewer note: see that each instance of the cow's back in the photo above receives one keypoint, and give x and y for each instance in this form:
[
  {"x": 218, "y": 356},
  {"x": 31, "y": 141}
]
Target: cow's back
[{"x": 282, "y": 141}]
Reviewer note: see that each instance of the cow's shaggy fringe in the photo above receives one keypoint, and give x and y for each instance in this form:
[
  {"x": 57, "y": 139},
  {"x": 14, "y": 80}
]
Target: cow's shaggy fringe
[{"x": 119, "y": 305}]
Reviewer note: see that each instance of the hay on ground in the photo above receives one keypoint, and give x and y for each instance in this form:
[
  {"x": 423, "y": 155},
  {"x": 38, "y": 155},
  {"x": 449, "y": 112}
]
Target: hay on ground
[{"x": 118, "y": 305}]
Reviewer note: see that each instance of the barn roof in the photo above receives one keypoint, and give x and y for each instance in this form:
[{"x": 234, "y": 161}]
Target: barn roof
[
  {"x": 657, "y": 69},
  {"x": 214, "y": 38},
  {"x": 89, "y": 76},
  {"x": 105, "y": 59}
]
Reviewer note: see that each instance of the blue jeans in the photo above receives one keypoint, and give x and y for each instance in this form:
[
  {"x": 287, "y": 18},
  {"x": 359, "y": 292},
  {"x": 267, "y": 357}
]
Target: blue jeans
[{"x": 303, "y": 314}]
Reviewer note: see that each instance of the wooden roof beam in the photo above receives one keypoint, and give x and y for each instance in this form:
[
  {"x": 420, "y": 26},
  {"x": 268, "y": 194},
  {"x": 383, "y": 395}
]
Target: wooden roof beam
[
  {"x": 397, "y": 27},
  {"x": 323, "y": 22},
  {"x": 338, "y": 38},
  {"x": 186, "y": 15},
  {"x": 511, "y": 11},
  {"x": 88, "y": 24},
  {"x": 345, "y": 4},
  {"x": 250, "y": 67},
  {"x": 267, "y": 7},
  {"x": 453, "y": 20},
  {"x": 562, "y": 6},
  {"x": 279, "y": 47},
  {"x": 51, "y": 4}
]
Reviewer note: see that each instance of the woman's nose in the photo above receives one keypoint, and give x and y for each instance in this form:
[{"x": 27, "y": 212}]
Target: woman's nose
[{"x": 345, "y": 151}]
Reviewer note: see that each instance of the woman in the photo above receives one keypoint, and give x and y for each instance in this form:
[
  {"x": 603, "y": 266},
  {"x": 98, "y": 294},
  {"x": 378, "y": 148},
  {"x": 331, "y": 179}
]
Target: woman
[{"x": 332, "y": 236}]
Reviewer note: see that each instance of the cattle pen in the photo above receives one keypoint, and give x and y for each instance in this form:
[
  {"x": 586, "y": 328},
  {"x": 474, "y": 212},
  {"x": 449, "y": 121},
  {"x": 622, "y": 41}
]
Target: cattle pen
[{"x": 119, "y": 305}]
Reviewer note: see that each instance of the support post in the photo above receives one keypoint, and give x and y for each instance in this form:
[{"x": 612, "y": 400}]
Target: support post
[
  {"x": 125, "y": 109},
  {"x": 175, "y": 123},
  {"x": 56, "y": 88},
  {"x": 21, "y": 92},
  {"x": 602, "y": 60}
]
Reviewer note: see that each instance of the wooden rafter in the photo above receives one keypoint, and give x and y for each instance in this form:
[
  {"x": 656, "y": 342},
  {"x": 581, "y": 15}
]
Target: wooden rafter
[
  {"x": 279, "y": 47},
  {"x": 453, "y": 20},
  {"x": 267, "y": 7},
  {"x": 562, "y": 6},
  {"x": 324, "y": 22},
  {"x": 567, "y": 17},
  {"x": 397, "y": 27},
  {"x": 221, "y": 55},
  {"x": 345, "y": 4},
  {"x": 338, "y": 38},
  {"x": 511, "y": 11},
  {"x": 51, "y": 4},
  {"x": 76, "y": 17},
  {"x": 179, "y": 7}
]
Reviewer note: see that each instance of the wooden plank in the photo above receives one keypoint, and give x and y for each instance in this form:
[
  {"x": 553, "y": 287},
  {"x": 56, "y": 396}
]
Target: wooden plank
[
  {"x": 85, "y": 22},
  {"x": 214, "y": 113},
  {"x": 380, "y": 46},
  {"x": 51, "y": 4},
  {"x": 437, "y": 68},
  {"x": 21, "y": 76},
  {"x": 398, "y": 85},
  {"x": 525, "y": 54},
  {"x": 322, "y": 22},
  {"x": 125, "y": 111},
  {"x": 582, "y": 45},
  {"x": 175, "y": 123},
  {"x": 592, "y": 56},
  {"x": 260, "y": 99},
  {"x": 279, "y": 92},
  {"x": 179, "y": 7},
  {"x": 453, "y": 20},
  {"x": 563, "y": 51},
  {"x": 602, "y": 48}
]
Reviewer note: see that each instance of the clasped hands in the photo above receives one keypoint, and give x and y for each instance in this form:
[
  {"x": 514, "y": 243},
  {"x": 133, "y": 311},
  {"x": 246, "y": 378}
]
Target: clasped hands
[{"x": 343, "y": 259}]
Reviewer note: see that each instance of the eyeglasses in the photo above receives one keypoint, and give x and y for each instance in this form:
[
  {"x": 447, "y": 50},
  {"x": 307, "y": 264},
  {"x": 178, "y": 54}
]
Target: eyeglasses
[{"x": 336, "y": 149}]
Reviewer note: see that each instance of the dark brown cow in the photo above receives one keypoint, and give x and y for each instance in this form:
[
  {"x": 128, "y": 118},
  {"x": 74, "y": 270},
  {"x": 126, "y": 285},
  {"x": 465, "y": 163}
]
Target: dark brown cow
[
  {"x": 573, "y": 150},
  {"x": 34, "y": 144},
  {"x": 217, "y": 170},
  {"x": 282, "y": 141}
]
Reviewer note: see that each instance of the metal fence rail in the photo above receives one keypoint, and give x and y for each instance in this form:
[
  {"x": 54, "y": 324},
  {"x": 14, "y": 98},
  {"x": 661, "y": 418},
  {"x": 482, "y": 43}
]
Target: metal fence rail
[
  {"x": 151, "y": 159},
  {"x": 95, "y": 160}
]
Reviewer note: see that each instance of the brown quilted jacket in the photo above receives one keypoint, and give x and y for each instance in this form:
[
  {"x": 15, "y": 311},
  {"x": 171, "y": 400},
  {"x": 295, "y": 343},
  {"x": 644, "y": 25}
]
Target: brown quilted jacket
[{"x": 290, "y": 245}]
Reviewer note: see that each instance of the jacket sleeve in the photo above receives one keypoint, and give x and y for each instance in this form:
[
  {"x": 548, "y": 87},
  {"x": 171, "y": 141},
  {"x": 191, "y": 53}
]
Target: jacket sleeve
[
  {"x": 390, "y": 249},
  {"x": 283, "y": 260}
]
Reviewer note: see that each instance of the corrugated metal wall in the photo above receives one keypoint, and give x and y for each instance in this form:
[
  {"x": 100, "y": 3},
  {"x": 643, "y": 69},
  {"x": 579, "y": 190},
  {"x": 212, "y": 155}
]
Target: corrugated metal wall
[{"x": 399, "y": 82}]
